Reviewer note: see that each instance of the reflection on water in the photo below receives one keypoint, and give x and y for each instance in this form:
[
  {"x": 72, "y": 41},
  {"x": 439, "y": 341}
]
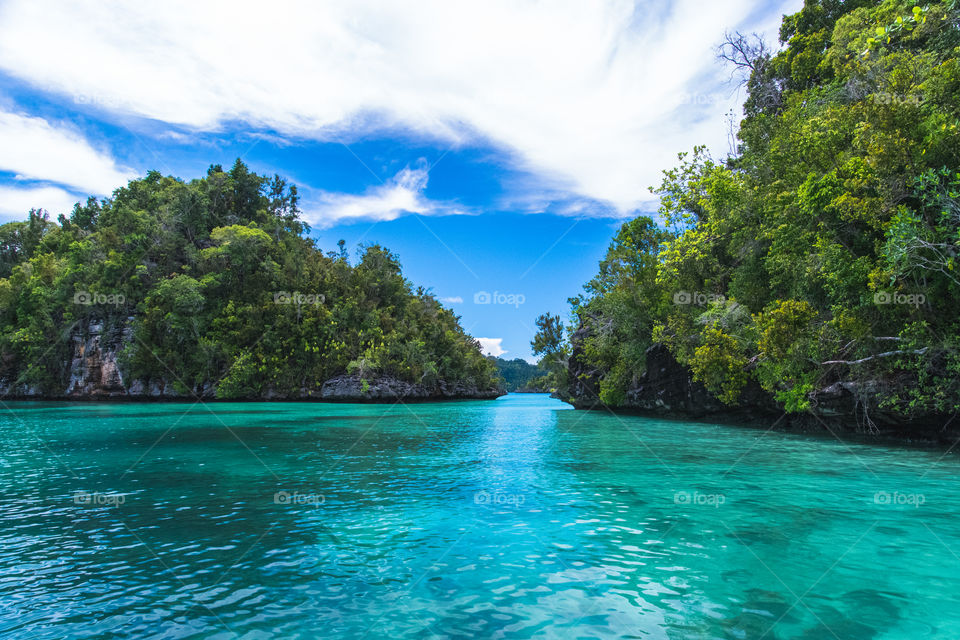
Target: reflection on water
[{"x": 507, "y": 519}]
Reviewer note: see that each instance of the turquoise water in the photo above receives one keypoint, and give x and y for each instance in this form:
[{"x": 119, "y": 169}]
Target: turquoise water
[{"x": 512, "y": 518}]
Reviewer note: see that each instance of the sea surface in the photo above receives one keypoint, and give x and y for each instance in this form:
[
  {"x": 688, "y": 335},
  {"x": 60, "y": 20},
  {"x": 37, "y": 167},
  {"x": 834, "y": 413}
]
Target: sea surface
[{"x": 514, "y": 518}]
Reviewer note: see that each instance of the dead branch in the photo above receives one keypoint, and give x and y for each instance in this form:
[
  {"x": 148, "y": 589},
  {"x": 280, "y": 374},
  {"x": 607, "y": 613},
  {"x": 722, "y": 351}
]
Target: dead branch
[{"x": 885, "y": 354}]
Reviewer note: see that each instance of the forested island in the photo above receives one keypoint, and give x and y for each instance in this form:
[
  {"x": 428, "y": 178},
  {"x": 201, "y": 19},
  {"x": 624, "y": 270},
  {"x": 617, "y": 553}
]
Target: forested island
[
  {"x": 212, "y": 289},
  {"x": 522, "y": 377},
  {"x": 810, "y": 277}
]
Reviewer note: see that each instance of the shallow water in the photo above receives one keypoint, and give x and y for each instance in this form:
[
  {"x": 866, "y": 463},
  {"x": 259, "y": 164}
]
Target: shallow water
[{"x": 512, "y": 518}]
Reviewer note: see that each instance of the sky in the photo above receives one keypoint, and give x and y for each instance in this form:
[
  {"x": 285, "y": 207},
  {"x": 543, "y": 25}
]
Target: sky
[{"x": 495, "y": 146}]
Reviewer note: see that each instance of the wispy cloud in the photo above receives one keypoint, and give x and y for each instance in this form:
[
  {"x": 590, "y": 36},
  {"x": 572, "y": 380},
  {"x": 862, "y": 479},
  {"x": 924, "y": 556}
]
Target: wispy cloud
[
  {"x": 16, "y": 202},
  {"x": 492, "y": 346},
  {"x": 35, "y": 149},
  {"x": 595, "y": 98},
  {"x": 403, "y": 193}
]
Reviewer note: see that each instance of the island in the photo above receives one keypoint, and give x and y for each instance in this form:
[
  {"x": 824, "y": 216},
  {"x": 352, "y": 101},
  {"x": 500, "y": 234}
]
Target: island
[{"x": 211, "y": 288}]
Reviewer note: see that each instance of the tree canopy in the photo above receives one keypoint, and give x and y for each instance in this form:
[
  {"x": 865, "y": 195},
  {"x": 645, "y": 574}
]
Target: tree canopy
[
  {"x": 825, "y": 249},
  {"x": 220, "y": 290}
]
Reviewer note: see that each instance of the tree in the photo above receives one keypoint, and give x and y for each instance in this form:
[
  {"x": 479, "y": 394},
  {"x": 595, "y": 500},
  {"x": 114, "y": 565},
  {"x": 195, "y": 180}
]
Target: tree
[
  {"x": 226, "y": 293},
  {"x": 548, "y": 340},
  {"x": 823, "y": 252}
]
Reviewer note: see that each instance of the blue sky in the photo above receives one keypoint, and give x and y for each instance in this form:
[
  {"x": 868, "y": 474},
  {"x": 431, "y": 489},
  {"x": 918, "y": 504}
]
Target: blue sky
[{"x": 494, "y": 147}]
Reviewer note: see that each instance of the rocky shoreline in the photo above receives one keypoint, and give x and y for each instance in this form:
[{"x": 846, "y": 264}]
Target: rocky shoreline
[
  {"x": 667, "y": 390},
  {"x": 95, "y": 374}
]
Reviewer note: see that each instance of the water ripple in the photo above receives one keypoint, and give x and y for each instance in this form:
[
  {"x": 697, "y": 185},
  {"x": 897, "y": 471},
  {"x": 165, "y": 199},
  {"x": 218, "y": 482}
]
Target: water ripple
[{"x": 509, "y": 519}]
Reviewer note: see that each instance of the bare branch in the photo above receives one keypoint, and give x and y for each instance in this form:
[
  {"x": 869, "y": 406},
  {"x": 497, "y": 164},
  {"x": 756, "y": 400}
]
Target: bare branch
[
  {"x": 744, "y": 52},
  {"x": 885, "y": 354}
]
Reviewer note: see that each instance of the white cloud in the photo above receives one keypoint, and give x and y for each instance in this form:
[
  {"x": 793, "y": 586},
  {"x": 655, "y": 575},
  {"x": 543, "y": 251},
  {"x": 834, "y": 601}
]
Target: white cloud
[
  {"x": 593, "y": 98},
  {"x": 492, "y": 346},
  {"x": 16, "y": 202},
  {"x": 401, "y": 194},
  {"x": 452, "y": 300},
  {"x": 34, "y": 149}
]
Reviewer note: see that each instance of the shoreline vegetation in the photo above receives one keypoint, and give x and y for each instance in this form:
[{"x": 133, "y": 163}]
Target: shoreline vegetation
[
  {"x": 519, "y": 376},
  {"x": 808, "y": 280},
  {"x": 212, "y": 289}
]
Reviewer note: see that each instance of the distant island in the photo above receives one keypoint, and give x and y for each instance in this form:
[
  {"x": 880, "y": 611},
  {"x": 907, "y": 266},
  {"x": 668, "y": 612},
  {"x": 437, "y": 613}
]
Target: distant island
[
  {"x": 519, "y": 376},
  {"x": 211, "y": 288}
]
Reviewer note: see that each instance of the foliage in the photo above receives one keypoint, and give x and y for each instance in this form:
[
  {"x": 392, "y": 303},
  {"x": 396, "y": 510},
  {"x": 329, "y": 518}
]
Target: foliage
[
  {"x": 622, "y": 304},
  {"x": 224, "y": 291},
  {"x": 825, "y": 249},
  {"x": 518, "y": 374},
  {"x": 549, "y": 342}
]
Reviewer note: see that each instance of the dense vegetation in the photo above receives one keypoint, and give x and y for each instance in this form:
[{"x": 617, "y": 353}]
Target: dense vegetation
[
  {"x": 520, "y": 375},
  {"x": 222, "y": 292},
  {"x": 825, "y": 249}
]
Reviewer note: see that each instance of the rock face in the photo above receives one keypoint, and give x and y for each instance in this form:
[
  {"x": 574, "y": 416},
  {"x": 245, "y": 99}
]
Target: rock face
[
  {"x": 667, "y": 389},
  {"x": 95, "y": 373},
  {"x": 93, "y": 368}
]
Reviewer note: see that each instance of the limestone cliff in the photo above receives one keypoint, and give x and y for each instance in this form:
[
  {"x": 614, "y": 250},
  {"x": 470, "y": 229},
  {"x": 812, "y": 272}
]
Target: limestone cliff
[
  {"x": 667, "y": 389},
  {"x": 95, "y": 372}
]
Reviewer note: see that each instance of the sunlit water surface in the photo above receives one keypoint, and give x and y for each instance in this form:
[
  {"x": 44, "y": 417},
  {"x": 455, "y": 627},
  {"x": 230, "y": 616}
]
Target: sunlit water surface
[{"x": 512, "y": 518}]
